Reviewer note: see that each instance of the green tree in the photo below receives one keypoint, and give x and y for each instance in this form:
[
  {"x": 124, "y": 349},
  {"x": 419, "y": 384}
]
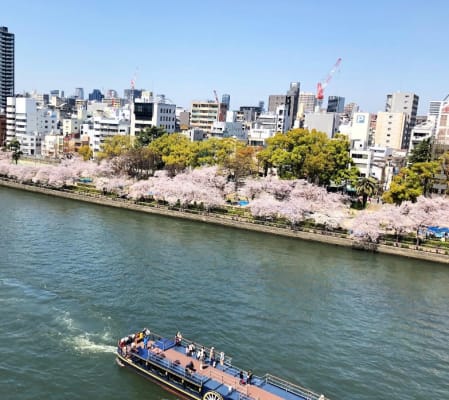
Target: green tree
[
  {"x": 421, "y": 153},
  {"x": 14, "y": 146},
  {"x": 176, "y": 152},
  {"x": 147, "y": 135},
  {"x": 86, "y": 152},
  {"x": 412, "y": 182},
  {"x": 366, "y": 187},
  {"x": 300, "y": 153},
  {"x": 241, "y": 164},
  {"x": 114, "y": 146}
]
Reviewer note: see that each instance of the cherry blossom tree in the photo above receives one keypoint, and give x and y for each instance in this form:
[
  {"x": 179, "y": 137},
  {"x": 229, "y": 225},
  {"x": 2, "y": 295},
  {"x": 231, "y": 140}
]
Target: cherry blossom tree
[{"x": 366, "y": 227}]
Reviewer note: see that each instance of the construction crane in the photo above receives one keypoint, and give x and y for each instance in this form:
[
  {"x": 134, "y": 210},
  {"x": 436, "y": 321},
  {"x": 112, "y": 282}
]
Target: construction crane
[
  {"x": 322, "y": 85},
  {"x": 218, "y": 105}
]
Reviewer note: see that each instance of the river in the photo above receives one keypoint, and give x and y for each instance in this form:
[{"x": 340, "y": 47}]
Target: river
[{"x": 75, "y": 277}]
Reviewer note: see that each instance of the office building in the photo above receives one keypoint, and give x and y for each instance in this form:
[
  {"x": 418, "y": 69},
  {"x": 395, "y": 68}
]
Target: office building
[
  {"x": 406, "y": 103},
  {"x": 226, "y": 100},
  {"x": 335, "y": 104},
  {"x": 149, "y": 111},
  {"x": 96, "y": 95},
  {"x": 6, "y": 66},
  {"x": 307, "y": 102},
  {"x": 290, "y": 100},
  {"x": 79, "y": 93}
]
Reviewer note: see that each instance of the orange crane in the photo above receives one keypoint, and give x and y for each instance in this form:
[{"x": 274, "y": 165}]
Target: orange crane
[{"x": 322, "y": 85}]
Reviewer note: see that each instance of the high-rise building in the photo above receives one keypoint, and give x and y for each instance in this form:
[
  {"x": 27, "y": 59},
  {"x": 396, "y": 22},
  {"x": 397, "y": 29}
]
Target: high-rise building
[
  {"x": 335, "y": 104},
  {"x": 290, "y": 100},
  {"x": 226, "y": 100},
  {"x": 307, "y": 102},
  {"x": 96, "y": 95},
  {"x": 79, "y": 93},
  {"x": 6, "y": 66},
  {"x": 406, "y": 103}
]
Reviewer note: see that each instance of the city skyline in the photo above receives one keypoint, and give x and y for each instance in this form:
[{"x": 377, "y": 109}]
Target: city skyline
[{"x": 246, "y": 50}]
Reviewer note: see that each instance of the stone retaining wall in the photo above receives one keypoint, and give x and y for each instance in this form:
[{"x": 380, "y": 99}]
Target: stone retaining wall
[{"x": 226, "y": 221}]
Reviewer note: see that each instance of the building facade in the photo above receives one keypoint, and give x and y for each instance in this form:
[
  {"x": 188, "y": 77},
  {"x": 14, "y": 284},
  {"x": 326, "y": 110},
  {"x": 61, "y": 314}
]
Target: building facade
[
  {"x": 6, "y": 66},
  {"x": 307, "y": 102},
  {"x": 406, "y": 103},
  {"x": 29, "y": 124},
  {"x": 335, "y": 104},
  {"x": 149, "y": 112},
  {"x": 360, "y": 128},
  {"x": 205, "y": 113},
  {"x": 390, "y": 129},
  {"x": 442, "y": 131}
]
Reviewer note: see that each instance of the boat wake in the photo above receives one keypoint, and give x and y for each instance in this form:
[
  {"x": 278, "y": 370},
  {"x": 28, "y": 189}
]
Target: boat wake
[
  {"x": 83, "y": 344},
  {"x": 81, "y": 341}
]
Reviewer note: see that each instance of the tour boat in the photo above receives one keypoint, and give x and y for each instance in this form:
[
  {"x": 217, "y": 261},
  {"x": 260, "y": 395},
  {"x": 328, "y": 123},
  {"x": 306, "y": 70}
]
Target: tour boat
[{"x": 193, "y": 371}]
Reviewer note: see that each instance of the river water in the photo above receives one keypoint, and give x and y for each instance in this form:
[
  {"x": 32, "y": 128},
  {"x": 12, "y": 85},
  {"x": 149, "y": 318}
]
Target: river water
[{"x": 75, "y": 277}]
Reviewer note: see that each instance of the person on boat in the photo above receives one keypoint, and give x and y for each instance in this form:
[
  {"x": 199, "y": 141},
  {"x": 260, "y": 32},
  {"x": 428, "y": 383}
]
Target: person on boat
[
  {"x": 190, "y": 367},
  {"x": 242, "y": 380},
  {"x": 249, "y": 378},
  {"x": 178, "y": 339},
  {"x": 202, "y": 357},
  {"x": 222, "y": 358},
  {"x": 212, "y": 356}
]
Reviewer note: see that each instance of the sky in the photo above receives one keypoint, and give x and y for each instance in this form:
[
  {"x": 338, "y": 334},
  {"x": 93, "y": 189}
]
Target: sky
[{"x": 248, "y": 49}]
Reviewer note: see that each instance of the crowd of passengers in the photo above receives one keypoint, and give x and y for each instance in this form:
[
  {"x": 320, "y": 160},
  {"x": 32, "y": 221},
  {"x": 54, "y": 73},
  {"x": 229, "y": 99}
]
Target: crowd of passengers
[{"x": 129, "y": 344}]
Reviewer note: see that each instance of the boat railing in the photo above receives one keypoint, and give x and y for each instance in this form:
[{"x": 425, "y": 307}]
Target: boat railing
[
  {"x": 172, "y": 366},
  {"x": 292, "y": 388},
  {"x": 227, "y": 360}
]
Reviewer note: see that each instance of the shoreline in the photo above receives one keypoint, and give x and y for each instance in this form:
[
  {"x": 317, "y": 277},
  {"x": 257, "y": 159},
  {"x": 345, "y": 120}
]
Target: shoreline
[{"x": 229, "y": 221}]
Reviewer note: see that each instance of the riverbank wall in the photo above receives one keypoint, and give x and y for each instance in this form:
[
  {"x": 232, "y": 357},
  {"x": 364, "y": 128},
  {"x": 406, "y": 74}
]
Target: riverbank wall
[{"x": 232, "y": 221}]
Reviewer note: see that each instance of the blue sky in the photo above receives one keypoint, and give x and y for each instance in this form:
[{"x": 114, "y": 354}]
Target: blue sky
[{"x": 249, "y": 49}]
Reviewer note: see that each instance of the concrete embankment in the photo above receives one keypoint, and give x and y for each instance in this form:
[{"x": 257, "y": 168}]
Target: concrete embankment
[{"x": 226, "y": 220}]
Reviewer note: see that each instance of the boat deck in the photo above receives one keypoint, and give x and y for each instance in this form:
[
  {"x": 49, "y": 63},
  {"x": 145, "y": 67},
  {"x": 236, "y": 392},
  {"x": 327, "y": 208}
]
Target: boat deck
[{"x": 222, "y": 378}]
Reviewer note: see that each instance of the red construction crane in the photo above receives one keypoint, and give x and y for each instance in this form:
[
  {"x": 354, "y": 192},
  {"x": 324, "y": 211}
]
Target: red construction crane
[
  {"x": 322, "y": 85},
  {"x": 219, "y": 117}
]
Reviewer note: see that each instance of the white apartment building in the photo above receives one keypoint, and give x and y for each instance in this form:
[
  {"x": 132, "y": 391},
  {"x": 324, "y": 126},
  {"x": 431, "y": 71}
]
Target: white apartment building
[
  {"x": 29, "y": 124},
  {"x": 259, "y": 136},
  {"x": 149, "y": 112},
  {"x": 70, "y": 125},
  {"x": 203, "y": 114},
  {"x": 53, "y": 145},
  {"x": 99, "y": 129},
  {"x": 422, "y": 132},
  {"x": 390, "y": 129},
  {"x": 279, "y": 121},
  {"x": 229, "y": 130}
]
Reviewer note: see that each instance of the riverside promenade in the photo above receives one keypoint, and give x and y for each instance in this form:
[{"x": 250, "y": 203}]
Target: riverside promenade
[{"x": 310, "y": 234}]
